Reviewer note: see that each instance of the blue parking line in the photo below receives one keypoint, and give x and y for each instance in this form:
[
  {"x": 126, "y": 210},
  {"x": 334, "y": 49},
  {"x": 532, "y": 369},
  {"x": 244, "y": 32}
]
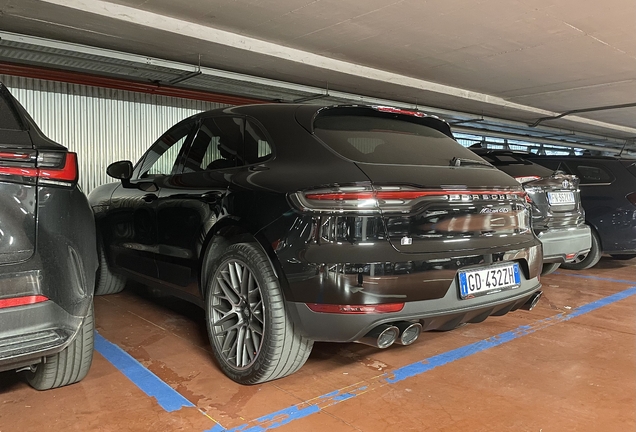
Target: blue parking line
[
  {"x": 167, "y": 397},
  {"x": 304, "y": 409}
]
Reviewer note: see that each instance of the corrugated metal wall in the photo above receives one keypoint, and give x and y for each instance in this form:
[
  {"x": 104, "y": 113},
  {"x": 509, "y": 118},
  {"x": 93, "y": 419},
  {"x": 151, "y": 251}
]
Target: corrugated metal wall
[{"x": 101, "y": 125}]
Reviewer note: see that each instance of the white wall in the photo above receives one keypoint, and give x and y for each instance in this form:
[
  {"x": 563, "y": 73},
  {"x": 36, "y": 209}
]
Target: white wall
[{"x": 101, "y": 125}]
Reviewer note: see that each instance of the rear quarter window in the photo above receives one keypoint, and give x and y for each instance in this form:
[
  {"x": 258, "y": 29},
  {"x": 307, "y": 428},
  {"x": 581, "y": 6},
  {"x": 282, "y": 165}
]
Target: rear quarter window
[
  {"x": 591, "y": 173},
  {"x": 388, "y": 141}
]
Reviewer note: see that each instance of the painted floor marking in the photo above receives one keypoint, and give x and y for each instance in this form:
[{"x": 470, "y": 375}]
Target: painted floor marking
[
  {"x": 169, "y": 399},
  {"x": 312, "y": 406}
]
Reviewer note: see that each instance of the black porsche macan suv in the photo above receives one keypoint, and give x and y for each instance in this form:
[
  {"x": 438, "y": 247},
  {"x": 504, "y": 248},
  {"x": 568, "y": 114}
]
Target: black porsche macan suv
[
  {"x": 292, "y": 224},
  {"x": 48, "y": 255}
]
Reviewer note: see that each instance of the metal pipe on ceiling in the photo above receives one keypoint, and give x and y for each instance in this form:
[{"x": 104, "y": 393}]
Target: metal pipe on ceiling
[{"x": 532, "y": 139}]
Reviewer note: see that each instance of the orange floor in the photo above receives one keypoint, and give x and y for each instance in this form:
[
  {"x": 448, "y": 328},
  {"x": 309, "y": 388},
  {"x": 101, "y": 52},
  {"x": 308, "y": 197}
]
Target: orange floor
[{"x": 568, "y": 369}]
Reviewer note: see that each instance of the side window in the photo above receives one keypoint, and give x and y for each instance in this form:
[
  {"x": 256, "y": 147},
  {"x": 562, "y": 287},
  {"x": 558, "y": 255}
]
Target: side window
[
  {"x": 8, "y": 119},
  {"x": 162, "y": 156},
  {"x": 257, "y": 149},
  {"x": 592, "y": 173},
  {"x": 217, "y": 145}
]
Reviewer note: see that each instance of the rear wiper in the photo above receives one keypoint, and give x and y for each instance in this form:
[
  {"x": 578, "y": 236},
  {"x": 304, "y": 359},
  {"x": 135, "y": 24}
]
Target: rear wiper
[{"x": 463, "y": 162}]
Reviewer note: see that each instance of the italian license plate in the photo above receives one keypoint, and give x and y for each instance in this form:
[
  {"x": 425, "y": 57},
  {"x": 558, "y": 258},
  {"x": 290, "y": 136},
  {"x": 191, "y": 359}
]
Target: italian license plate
[
  {"x": 488, "y": 280},
  {"x": 560, "y": 198}
]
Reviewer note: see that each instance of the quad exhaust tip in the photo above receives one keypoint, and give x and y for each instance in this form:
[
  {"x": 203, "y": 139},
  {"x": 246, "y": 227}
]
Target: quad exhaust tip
[
  {"x": 532, "y": 301},
  {"x": 409, "y": 332},
  {"x": 385, "y": 335}
]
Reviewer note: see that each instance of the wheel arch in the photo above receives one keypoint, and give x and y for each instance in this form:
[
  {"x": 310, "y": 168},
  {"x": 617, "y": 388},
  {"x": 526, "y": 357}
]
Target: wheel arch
[{"x": 229, "y": 231}]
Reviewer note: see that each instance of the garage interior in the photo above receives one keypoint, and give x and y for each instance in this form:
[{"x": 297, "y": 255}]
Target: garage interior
[{"x": 105, "y": 78}]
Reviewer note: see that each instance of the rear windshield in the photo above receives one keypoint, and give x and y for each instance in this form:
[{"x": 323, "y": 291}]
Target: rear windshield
[
  {"x": 516, "y": 166},
  {"x": 388, "y": 141}
]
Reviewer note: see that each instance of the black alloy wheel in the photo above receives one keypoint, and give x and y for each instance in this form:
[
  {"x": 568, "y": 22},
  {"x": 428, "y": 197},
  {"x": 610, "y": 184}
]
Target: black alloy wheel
[{"x": 252, "y": 337}]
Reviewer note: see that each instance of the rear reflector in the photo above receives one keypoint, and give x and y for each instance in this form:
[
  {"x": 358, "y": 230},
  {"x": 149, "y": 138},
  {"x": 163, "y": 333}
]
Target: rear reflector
[
  {"x": 21, "y": 301},
  {"x": 570, "y": 256},
  {"x": 355, "y": 309},
  {"x": 632, "y": 198}
]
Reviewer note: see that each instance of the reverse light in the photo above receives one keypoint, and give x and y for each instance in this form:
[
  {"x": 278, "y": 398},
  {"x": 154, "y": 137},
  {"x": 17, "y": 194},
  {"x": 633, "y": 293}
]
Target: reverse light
[
  {"x": 355, "y": 309},
  {"x": 21, "y": 301}
]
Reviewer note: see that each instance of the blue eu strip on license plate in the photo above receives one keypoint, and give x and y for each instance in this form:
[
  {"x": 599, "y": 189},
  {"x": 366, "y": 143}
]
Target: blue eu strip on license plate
[{"x": 488, "y": 280}]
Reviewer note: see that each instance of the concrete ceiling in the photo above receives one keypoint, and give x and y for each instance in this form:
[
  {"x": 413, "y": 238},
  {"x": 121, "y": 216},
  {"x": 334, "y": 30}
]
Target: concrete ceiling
[{"x": 516, "y": 60}]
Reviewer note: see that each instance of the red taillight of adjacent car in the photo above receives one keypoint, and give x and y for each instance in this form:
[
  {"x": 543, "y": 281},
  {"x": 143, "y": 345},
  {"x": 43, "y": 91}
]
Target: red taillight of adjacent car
[
  {"x": 355, "y": 309},
  {"x": 52, "y": 168},
  {"x": 21, "y": 301},
  {"x": 632, "y": 198},
  {"x": 398, "y": 198}
]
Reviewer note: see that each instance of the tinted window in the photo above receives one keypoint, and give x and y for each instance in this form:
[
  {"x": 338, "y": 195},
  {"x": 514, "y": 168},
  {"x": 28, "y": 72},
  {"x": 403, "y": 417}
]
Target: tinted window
[
  {"x": 218, "y": 144},
  {"x": 388, "y": 140},
  {"x": 8, "y": 119},
  {"x": 592, "y": 173},
  {"x": 256, "y": 148},
  {"x": 161, "y": 159}
]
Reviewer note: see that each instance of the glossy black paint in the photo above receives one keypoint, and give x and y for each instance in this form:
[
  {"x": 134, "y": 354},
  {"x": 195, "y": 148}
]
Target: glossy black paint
[
  {"x": 47, "y": 247},
  {"x": 607, "y": 209},
  {"x": 168, "y": 230}
]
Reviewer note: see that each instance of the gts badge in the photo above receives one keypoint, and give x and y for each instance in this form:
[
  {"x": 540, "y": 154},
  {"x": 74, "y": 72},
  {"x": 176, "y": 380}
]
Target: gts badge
[{"x": 495, "y": 210}]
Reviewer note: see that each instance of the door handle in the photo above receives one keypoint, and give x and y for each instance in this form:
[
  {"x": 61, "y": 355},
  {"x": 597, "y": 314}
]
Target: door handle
[{"x": 149, "y": 197}]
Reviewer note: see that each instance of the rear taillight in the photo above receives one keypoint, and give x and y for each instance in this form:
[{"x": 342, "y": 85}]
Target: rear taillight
[
  {"x": 57, "y": 168},
  {"x": 632, "y": 198},
  {"x": 526, "y": 179},
  {"x": 389, "y": 198},
  {"x": 52, "y": 168},
  {"x": 355, "y": 309}
]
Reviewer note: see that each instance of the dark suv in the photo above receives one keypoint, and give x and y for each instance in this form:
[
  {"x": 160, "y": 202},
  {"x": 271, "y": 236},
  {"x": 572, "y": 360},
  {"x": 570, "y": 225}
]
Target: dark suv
[
  {"x": 608, "y": 194},
  {"x": 292, "y": 224},
  {"x": 558, "y": 218},
  {"x": 48, "y": 255}
]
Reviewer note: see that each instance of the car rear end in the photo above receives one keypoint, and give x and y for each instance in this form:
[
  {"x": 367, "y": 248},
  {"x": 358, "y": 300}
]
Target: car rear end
[
  {"x": 558, "y": 218},
  {"x": 432, "y": 239},
  {"x": 47, "y": 247}
]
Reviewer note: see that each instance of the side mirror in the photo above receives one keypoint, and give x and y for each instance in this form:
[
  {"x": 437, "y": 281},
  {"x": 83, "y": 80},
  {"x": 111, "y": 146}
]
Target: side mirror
[{"x": 121, "y": 170}]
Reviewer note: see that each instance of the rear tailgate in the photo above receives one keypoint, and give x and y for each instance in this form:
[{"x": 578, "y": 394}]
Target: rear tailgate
[
  {"x": 556, "y": 202},
  {"x": 439, "y": 209},
  {"x": 18, "y": 192}
]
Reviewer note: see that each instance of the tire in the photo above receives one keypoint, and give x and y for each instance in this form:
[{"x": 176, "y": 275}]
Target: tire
[
  {"x": 586, "y": 261},
  {"x": 106, "y": 281},
  {"x": 549, "y": 268},
  {"x": 69, "y": 365},
  {"x": 623, "y": 257},
  {"x": 252, "y": 315}
]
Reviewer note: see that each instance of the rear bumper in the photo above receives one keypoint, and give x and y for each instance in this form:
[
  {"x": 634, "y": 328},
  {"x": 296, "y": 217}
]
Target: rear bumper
[
  {"x": 440, "y": 314},
  {"x": 557, "y": 243},
  {"x": 29, "y": 333}
]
